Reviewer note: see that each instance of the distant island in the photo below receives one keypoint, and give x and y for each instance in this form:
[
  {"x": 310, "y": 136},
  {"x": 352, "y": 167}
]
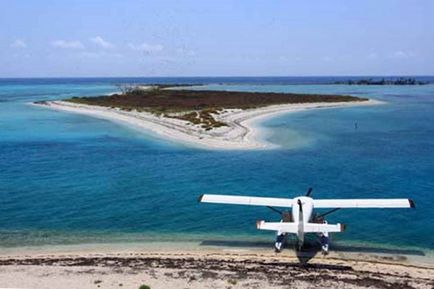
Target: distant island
[
  {"x": 383, "y": 81},
  {"x": 200, "y": 107},
  {"x": 212, "y": 119}
]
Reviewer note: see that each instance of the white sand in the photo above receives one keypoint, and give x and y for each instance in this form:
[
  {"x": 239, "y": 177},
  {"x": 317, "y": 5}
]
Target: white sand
[
  {"x": 163, "y": 267},
  {"x": 242, "y": 131}
]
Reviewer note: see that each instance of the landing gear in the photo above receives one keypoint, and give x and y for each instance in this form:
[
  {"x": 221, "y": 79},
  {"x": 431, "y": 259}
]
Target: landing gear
[
  {"x": 324, "y": 241},
  {"x": 280, "y": 240},
  {"x": 323, "y": 237}
]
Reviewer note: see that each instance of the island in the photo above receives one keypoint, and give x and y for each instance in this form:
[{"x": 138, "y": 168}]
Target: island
[
  {"x": 383, "y": 81},
  {"x": 202, "y": 118}
]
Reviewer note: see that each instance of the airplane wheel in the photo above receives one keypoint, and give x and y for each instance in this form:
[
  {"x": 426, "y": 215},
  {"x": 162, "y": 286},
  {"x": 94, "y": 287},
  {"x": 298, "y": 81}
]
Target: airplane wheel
[{"x": 277, "y": 247}]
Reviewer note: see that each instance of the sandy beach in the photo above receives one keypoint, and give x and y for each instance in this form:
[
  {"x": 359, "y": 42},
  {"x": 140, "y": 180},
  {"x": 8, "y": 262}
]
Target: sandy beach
[
  {"x": 174, "y": 267},
  {"x": 241, "y": 132}
]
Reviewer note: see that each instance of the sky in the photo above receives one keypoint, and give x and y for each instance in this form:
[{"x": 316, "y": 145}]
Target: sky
[{"x": 109, "y": 38}]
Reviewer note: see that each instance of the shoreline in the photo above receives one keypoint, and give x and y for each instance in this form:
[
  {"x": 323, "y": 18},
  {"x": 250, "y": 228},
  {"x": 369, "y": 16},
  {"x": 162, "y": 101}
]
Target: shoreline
[
  {"x": 242, "y": 130},
  {"x": 396, "y": 255},
  {"x": 190, "y": 267}
]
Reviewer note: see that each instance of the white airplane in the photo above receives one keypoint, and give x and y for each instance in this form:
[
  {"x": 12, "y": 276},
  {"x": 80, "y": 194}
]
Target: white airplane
[{"x": 302, "y": 219}]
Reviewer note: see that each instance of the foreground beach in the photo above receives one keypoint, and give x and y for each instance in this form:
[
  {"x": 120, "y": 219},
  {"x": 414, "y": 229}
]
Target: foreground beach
[
  {"x": 240, "y": 131},
  {"x": 175, "y": 267}
]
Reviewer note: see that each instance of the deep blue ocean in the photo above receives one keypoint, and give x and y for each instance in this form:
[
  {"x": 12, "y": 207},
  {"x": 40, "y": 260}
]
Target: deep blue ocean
[{"x": 72, "y": 179}]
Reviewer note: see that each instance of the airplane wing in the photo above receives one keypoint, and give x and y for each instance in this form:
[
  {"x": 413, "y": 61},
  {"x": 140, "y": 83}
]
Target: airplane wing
[
  {"x": 364, "y": 203},
  {"x": 245, "y": 200}
]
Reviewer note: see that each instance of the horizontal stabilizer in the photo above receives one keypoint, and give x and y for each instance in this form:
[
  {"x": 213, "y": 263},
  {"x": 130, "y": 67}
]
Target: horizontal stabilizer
[
  {"x": 245, "y": 200},
  {"x": 364, "y": 203},
  {"x": 277, "y": 226},
  {"x": 322, "y": 228}
]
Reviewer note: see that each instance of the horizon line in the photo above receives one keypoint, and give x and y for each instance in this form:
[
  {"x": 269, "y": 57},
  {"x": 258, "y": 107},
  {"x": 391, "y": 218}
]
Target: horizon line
[{"x": 219, "y": 76}]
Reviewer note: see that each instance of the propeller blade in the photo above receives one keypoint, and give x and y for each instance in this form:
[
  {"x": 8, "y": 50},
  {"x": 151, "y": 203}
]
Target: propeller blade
[{"x": 308, "y": 192}]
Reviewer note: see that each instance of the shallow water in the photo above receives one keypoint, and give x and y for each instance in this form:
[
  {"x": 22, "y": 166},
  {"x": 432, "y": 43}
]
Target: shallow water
[{"x": 67, "y": 178}]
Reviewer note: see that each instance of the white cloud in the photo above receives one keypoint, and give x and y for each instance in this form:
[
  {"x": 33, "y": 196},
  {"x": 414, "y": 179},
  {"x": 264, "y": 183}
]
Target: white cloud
[
  {"x": 101, "y": 54},
  {"x": 146, "y": 48},
  {"x": 18, "y": 43},
  {"x": 98, "y": 40},
  {"x": 402, "y": 54},
  {"x": 72, "y": 44}
]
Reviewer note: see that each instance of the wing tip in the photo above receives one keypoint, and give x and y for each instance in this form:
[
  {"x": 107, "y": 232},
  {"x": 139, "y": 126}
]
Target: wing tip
[
  {"x": 199, "y": 200},
  {"x": 411, "y": 202}
]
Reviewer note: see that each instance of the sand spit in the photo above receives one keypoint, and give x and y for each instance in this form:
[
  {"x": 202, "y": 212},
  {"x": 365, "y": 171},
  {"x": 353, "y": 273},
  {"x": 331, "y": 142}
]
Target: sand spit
[{"x": 241, "y": 131}]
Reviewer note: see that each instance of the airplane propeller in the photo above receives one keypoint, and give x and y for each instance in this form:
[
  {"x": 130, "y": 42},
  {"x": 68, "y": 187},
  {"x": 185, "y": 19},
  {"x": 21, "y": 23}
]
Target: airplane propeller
[{"x": 309, "y": 191}]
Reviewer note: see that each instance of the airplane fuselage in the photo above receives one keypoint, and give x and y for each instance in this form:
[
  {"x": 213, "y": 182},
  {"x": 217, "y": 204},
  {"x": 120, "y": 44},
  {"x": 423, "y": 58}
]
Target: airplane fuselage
[
  {"x": 302, "y": 220},
  {"x": 302, "y": 209}
]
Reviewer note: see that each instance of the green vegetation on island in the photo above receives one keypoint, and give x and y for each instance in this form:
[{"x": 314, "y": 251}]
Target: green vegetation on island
[
  {"x": 383, "y": 81},
  {"x": 199, "y": 107}
]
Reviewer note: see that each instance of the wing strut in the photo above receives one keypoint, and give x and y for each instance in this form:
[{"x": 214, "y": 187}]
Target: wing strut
[
  {"x": 329, "y": 212},
  {"x": 276, "y": 210}
]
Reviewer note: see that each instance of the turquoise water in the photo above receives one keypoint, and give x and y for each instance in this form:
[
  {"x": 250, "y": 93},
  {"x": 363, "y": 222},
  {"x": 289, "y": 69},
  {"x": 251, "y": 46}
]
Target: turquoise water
[{"x": 67, "y": 178}]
